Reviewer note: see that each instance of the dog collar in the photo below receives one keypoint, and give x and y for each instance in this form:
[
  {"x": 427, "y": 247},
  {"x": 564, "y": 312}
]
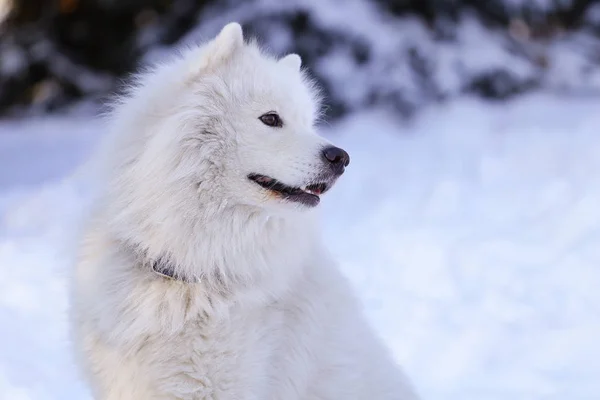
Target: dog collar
[
  {"x": 160, "y": 266},
  {"x": 167, "y": 272},
  {"x": 164, "y": 271}
]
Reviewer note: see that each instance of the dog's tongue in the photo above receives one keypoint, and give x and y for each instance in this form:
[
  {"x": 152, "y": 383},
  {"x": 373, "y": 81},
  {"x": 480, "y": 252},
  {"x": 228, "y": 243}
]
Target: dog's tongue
[{"x": 314, "y": 189}]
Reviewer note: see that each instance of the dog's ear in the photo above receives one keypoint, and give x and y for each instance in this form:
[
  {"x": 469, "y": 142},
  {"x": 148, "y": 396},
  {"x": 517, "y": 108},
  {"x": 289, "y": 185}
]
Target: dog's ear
[
  {"x": 228, "y": 40},
  {"x": 220, "y": 49},
  {"x": 292, "y": 61}
]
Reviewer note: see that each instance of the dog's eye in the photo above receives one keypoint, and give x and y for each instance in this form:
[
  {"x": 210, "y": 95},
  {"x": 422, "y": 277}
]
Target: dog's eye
[{"x": 271, "y": 119}]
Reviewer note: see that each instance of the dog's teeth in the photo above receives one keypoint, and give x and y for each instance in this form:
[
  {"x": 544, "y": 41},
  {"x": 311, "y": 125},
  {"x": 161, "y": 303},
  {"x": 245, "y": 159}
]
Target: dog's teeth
[{"x": 306, "y": 189}]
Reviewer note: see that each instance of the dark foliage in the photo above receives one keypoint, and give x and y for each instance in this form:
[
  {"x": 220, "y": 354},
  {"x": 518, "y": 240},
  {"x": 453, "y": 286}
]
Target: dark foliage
[{"x": 53, "y": 53}]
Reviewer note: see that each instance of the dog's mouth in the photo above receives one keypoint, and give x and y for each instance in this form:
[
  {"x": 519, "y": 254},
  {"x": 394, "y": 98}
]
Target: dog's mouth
[{"x": 307, "y": 195}]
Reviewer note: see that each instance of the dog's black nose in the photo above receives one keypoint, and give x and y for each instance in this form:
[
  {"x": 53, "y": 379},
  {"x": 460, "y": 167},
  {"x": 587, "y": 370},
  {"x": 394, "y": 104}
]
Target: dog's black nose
[{"x": 336, "y": 156}]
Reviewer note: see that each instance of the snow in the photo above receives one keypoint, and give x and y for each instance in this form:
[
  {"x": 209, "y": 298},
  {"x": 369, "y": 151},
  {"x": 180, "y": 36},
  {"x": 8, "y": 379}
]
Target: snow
[
  {"x": 13, "y": 59},
  {"x": 471, "y": 234},
  {"x": 448, "y": 67},
  {"x": 5, "y": 6},
  {"x": 536, "y": 4}
]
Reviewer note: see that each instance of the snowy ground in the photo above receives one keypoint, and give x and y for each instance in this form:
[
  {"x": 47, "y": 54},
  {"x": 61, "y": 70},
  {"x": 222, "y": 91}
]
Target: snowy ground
[{"x": 472, "y": 235}]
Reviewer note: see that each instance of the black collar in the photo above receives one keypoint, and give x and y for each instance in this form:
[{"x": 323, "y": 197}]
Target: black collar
[
  {"x": 161, "y": 266},
  {"x": 166, "y": 270}
]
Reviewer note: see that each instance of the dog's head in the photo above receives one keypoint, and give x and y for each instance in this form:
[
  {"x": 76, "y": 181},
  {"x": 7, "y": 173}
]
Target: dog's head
[
  {"x": 267, "y": 113},
  {"x": 227, "y": 124}
]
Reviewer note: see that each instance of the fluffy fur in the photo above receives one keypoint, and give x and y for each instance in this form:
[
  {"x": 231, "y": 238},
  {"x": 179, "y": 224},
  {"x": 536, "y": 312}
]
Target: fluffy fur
[{"x": 260, "y": 311}]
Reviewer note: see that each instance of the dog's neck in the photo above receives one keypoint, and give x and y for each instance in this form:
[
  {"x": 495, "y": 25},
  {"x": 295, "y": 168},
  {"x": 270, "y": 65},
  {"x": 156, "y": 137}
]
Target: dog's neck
[{"x": 237, "y": 247}]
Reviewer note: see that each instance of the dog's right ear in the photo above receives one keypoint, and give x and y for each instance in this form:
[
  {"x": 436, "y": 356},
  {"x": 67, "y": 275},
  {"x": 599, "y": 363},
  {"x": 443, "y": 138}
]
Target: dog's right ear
[
  {"x": 292, "y": 61},
  {"x": 221, "y": 48}
]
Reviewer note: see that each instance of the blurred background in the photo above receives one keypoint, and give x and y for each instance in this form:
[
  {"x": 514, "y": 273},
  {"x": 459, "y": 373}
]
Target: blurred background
[
  {"x": 402, "y": 54},
  {"x": 468, "y": 220}
]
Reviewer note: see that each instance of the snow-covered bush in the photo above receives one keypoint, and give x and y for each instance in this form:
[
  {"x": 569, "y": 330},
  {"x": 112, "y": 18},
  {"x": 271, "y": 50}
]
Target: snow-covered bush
[{"x": 398, "y": 53}]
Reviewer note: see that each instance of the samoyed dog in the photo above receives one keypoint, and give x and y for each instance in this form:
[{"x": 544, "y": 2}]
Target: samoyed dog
[{"x": 200, "y": 273}]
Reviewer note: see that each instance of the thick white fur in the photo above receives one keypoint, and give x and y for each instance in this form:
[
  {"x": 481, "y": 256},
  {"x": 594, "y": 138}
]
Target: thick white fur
[{"x": 262, "y": 311}]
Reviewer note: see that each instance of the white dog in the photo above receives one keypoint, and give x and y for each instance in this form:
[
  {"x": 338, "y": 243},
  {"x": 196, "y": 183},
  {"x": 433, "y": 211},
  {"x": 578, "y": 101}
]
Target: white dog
[{"x": 201, "y": 274}]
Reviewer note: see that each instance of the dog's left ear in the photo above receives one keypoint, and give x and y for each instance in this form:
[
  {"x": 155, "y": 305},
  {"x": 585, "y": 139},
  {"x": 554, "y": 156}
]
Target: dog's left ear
[
  {"x": 220, "y": 49},
  {"x": 228, "y": 41},
  {"x": 292, "y": 61}
]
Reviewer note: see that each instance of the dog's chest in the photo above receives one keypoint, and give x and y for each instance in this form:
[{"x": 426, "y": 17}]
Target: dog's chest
[{"x": 215, "y": 359}]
